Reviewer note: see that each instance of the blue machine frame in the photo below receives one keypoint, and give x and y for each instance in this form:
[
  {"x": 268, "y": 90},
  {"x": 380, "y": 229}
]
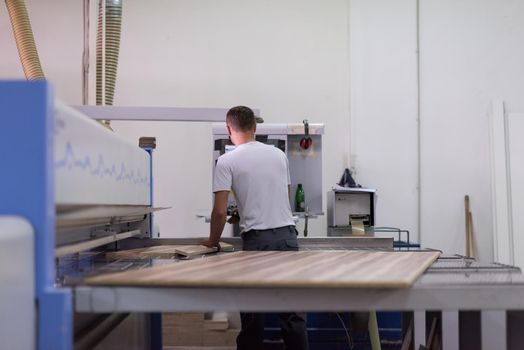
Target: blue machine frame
[
  {"x": 156, "y": 317},
  {"x": 27, "y": 190}
]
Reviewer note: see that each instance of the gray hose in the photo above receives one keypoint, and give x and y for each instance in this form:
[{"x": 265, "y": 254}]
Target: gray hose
[
  {"x": 112, "y": 46},
  {"x": 25, "y": 42},
  {"x": 100, "y": 54},
  {"x": 107, "y": 49}
]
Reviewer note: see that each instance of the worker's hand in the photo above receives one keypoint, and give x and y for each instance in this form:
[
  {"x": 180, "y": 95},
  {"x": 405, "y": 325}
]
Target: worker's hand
[
  {"x": 235, "y": 218},
  {"x": 210, "y": 243}
]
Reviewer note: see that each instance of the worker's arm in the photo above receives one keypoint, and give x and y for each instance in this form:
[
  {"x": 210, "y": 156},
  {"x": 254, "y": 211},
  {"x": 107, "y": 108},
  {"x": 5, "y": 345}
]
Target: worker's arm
[
  {"x": 218, "y": 219},
  {"x": 289, "y": 191}
]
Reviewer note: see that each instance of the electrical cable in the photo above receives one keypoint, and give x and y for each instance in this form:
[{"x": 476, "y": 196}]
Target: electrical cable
[{"x": 351, "y": 344}]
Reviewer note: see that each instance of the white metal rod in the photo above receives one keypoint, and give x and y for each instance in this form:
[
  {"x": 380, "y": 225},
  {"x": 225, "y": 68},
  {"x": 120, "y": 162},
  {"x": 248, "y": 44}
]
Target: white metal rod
[
  {"x": 156, "y": 113},
  {"x": 79, "y": 247}
]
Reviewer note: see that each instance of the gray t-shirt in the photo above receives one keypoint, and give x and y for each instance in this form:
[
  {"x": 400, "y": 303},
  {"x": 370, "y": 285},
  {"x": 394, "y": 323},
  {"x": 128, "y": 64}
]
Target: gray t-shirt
[{"x": 258, "y": 175}]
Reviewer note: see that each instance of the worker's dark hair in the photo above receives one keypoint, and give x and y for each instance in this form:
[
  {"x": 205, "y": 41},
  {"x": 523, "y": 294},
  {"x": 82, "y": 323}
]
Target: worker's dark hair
[{"x": 241, "y": 118}]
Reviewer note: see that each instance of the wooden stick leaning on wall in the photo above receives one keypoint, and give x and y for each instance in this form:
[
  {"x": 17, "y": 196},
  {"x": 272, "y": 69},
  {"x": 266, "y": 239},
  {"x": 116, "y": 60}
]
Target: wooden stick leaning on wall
[
  {"x": 471, "y": 236},
  {"x": 408, "y": 338},
  {"x": 466, "y": 217},
  {"x": 470, "y": 240}
]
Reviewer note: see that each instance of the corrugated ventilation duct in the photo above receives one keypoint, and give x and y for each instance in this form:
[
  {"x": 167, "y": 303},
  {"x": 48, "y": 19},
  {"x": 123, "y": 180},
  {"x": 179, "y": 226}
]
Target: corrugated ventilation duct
[
  {"x": 25, "y": 41},
  {"x": 107, "y": 50},
  {"x": 100, "y": 54}
]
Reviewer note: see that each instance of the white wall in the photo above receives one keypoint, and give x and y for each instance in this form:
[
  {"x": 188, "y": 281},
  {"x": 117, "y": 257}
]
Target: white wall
[
  {"x": 384, "y": 107},
  {"x": 57, "y": 27},
  {"x": 471, "y": 52},
  {"x": 288, "y": 58}
]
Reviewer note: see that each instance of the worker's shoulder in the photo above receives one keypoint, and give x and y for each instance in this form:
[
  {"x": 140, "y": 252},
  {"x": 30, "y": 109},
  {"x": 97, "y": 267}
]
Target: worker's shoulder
[
  {"x": 226, "y": 159},
  {"x": 253, "y": 149},
  {"x": 270, "y": 149},
  {"x": 272, "y": 154},
  {"x": 234, "y": 156}
]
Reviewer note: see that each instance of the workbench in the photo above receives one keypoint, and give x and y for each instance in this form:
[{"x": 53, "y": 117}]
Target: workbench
[{"x": 452, "y": 284}]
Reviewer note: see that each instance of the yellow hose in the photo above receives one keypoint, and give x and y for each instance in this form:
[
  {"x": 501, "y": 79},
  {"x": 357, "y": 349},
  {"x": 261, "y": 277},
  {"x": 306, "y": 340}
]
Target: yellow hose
[{"x": 25, "y": 41}]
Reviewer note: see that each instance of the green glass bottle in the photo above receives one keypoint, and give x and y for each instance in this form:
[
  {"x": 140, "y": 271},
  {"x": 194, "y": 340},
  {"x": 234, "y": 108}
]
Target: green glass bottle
[{"x": 300, "y": 203}]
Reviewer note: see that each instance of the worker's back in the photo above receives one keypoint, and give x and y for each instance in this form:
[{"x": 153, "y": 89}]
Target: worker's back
[{"x": 259, "y": 176}]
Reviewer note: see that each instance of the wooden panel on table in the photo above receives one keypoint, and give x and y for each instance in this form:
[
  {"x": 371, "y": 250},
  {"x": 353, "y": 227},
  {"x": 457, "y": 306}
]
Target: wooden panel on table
[
  {"x": 167, "y": 251},
  {"x": 195, "y": 250},
  {"x": 323, "y": 269}
]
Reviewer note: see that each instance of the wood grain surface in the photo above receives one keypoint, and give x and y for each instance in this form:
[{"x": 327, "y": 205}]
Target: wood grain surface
[
  {"x": 322, "y": 269},
  {"x": 167, "y": 251}
]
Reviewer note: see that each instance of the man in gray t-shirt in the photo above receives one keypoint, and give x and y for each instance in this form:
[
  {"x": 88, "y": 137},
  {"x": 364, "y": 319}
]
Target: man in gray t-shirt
[{"x": 258, "y": 175}]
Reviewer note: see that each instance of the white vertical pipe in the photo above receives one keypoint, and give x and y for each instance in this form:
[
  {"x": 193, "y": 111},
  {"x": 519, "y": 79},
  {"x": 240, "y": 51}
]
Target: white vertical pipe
[
  {"x": 419, "y": 327},
  {"x": 419, "y": 155},
  {"x": 450, "y": 330},
  {"x": 493, "y": 329},
  {"x": 85, "y": 56}
]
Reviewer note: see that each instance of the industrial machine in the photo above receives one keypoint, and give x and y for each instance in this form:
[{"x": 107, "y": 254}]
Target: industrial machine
[
  {"x": 72, "y": 192},
  {"x": 350, "y": 210},
  {"x": 302, "y": 144}
]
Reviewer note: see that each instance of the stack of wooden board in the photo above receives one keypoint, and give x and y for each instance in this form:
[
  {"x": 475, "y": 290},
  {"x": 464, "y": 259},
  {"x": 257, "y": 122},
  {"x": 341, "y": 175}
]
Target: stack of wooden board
[
  {"x": 216, "y": 321},
  {"x": 270, "y": 269},
  {"x": 167, "y": 251},
  {"x": 197, "y": 329}
]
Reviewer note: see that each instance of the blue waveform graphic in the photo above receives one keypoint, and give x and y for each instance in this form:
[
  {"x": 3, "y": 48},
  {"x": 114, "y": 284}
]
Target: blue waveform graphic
[{"x": 100, "y": 169}]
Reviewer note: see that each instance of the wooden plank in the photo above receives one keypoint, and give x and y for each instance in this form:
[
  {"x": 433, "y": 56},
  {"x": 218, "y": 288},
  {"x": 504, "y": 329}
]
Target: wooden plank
[
  {"x": 194, "y": 250},
  {"x": 466, "y": 215},
  {"x": 165, "y": 252},
  {"x": 197, "y": 329},
  {"x": 322, "y": 269},
  {"x": 472, "y": 236},
  {"x": 168, "y": 251},
  {"x": 408, "y": 338},
  {"x": 216, "y": 321},
  {"x": 125, "y": 254},
  {"x": 430, "y": 343}
]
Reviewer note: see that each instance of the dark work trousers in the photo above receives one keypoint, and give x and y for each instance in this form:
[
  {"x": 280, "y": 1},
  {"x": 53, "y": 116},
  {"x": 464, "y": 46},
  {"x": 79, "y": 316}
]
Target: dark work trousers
[{"x": 292, "y": 324}]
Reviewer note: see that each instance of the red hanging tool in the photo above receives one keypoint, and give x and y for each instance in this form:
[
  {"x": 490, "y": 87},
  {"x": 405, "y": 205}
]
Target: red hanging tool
[{"x": 306, "y": 141}]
